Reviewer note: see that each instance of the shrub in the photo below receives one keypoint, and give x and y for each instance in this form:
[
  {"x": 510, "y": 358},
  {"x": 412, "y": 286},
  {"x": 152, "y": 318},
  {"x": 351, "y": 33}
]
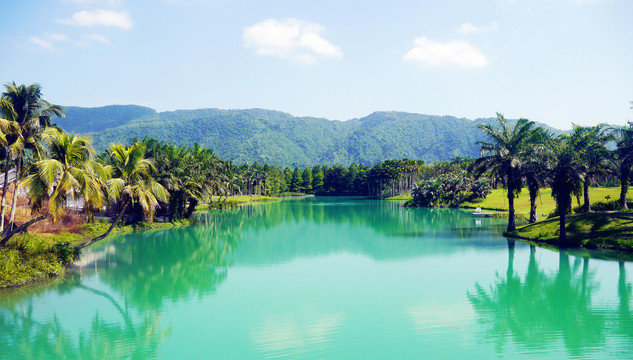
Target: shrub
[{"x": 449, "y": 190}]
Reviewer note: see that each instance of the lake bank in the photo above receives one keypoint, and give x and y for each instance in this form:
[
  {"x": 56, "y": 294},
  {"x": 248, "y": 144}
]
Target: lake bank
[
  {"x": 595, "y": 230},
  {"x": 30, "y": 257}
]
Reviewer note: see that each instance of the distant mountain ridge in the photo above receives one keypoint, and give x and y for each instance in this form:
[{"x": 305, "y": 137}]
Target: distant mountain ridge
[{"x": 278, "y": 138}]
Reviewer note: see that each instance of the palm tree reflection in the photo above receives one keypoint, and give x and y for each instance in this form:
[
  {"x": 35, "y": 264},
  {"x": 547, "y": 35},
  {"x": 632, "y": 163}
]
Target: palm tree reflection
[{"x": 544, "y": 309}]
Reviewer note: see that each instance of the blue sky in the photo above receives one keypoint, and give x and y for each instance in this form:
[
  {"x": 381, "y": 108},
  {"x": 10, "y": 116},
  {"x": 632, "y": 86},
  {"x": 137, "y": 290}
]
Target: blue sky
[{"x": 553, "y": 61}]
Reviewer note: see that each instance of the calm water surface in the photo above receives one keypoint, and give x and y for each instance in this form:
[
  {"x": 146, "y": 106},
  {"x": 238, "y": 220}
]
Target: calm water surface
[{"x": 325, "y": 278}]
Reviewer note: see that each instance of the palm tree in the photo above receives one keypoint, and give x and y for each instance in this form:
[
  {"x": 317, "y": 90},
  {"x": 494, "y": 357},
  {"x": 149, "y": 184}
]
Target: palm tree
[
  {"x": 69, "y": 172},
  {"x": 131, "y": 182},
  {"x": 504, "y": 156},
  {"x": 539, "y": 161},
  {"x": 590, "y": 144},
  {"x": 625, "y": 155},
  {"x": 10, "y": 129},
  {"x": 33, "y": 115},
  {"x": 567, "y": 179}
]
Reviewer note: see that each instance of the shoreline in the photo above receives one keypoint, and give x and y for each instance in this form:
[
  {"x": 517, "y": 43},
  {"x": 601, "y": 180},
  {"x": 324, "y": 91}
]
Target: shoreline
[{"x": 35, "y": 258}]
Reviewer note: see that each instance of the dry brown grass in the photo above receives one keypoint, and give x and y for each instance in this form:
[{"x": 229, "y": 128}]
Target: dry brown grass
[{"x": 70, "y": 222}]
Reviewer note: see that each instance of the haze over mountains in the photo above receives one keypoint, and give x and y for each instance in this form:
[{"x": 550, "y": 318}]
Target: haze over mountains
[{"x": 278, "y": 138}]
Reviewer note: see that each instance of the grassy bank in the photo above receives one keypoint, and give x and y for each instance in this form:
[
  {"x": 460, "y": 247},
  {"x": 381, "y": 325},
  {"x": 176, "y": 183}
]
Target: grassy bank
[
  {"x": 400, "y": 197},
  {"x": 602, "y": 230},
  {"x": 30, "y": 257},
  {"x": 498, "y": 200},
  {"x": 234, "y": 201}
]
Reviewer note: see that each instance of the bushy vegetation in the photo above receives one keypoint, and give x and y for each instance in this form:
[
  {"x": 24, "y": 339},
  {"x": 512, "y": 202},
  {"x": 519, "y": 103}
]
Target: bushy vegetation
[{"x": 449, "y": 190}]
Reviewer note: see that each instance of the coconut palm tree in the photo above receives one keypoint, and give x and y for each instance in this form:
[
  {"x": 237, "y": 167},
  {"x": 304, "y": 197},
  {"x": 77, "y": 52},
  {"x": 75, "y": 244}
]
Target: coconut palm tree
[
  {"x": 69, "y": 173},
  {"x": 568, "y": 176},
  {"x": 131, "y": 183},
  {"x": 624, "y": 152},
  {"x": 539, "y": 160},
  {"x": 33, "y": 115},
  {"x": 505, "y": 155},
  {"x": 590, "y": 144}
]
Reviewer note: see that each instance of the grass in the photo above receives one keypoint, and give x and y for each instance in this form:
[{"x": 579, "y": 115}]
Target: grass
[
  {"x": 498, "y": 200},
  {"x": 234, "y": 201},
  {"x": 29, "y": 257},
  {"x": 602, "y": 230},
  {"x": 244, "y": 199},
  {"x": 400, "y": 197}
]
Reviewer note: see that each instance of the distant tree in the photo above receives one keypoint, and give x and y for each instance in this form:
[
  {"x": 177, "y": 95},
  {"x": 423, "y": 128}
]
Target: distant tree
[
  {"x": 307, "y": 180},
  {"x": 297, "y": 181},
  {"x": 288, "y": 179},
  {"x": 318, "y": 178}
]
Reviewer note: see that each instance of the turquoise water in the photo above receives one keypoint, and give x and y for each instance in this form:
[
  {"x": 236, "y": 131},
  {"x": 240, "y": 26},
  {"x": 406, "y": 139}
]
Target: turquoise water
[{"x": 325, "y": 278}]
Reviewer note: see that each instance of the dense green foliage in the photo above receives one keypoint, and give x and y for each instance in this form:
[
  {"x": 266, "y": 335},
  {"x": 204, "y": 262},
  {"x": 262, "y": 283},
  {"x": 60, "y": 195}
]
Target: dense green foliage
[
  {"x": 86, "y": 120},
  {"x": 449, "y": 190},
  {"x": 276, "y": 138}
]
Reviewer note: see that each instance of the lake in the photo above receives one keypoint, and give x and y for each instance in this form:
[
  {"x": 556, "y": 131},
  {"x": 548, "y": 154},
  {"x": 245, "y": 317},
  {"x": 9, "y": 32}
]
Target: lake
[{"x": 325, "y": 278}]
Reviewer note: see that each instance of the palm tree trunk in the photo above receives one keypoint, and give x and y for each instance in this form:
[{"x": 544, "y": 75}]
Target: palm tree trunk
[
  {"x": 511, "y": 224},
  {"x": 104, "y": 235},
  {"x": 587, "y": 206},
  {"x": 562, "y": 235},
  {"x": 4, "y": 194},
  {"x": 625, "y": 169},
  {"x": 21, "y": 228},
  {"x": 15, "y": 194},
  {"x": 533, "y": 194}
]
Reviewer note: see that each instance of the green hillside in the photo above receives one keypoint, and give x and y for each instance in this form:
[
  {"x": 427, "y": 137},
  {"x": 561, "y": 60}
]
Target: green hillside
[
  {"x": 281, "y": 139},
  {"x": 84, "y": 120}
]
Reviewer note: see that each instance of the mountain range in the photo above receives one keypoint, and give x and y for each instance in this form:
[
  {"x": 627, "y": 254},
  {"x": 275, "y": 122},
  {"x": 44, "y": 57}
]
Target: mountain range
[{"x": 278, "y": 138}]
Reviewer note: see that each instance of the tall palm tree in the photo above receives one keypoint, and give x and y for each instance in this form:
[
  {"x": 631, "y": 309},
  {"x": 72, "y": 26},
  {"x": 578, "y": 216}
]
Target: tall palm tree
[
  {"x": 625, "y": 155},
  {"x": 504, "y": 156},
  {"x": 69, "y": 173},
  {"x": 33, "y": 115},
  {"x": 568, "y": 176},
  {"x": 12, "y": 141},
  {"x": 540, "y": 159},
  {"x": 131, "y": 182},
  {"x": 590, "y": 144}
]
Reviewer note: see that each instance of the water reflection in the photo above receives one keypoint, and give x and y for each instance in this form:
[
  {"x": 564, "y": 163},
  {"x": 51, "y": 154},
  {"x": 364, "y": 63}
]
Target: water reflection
[
  {"x": 323, "y": 279},
  {"x": 26, "y": 334},
  {"x": 543, "y": 309}
]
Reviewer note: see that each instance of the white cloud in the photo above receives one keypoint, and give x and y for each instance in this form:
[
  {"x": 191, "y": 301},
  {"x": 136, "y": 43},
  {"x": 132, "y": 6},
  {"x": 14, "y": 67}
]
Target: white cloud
[
  {"x": 118, "y": 19},
  {"x": 48, "y": 41},
  {"x": 468, "y": 28},
  {"x": 97, "y": 38},
  {"x": 58, "y": 37},
  {"x": 432, "y": 53},
  {"x": 96, "y": 2},
  {"x": 291, "y": 39},
  {"x": 44, "y": 44}
]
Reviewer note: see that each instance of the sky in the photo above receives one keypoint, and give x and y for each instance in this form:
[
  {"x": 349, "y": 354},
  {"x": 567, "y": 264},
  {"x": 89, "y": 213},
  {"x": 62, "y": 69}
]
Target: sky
[{"x": 556, "y": 62}]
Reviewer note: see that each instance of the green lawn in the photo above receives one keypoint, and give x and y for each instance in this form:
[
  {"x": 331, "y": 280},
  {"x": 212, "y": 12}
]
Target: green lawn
[
  {"x": 603, "y": 230},
  {"x": 243, "y": 199},
  {"x": 498, "y": 200}
]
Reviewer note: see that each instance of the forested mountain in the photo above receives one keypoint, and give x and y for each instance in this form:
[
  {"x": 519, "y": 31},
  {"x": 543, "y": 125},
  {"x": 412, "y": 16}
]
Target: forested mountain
[{"x": 281, "y": 139}]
